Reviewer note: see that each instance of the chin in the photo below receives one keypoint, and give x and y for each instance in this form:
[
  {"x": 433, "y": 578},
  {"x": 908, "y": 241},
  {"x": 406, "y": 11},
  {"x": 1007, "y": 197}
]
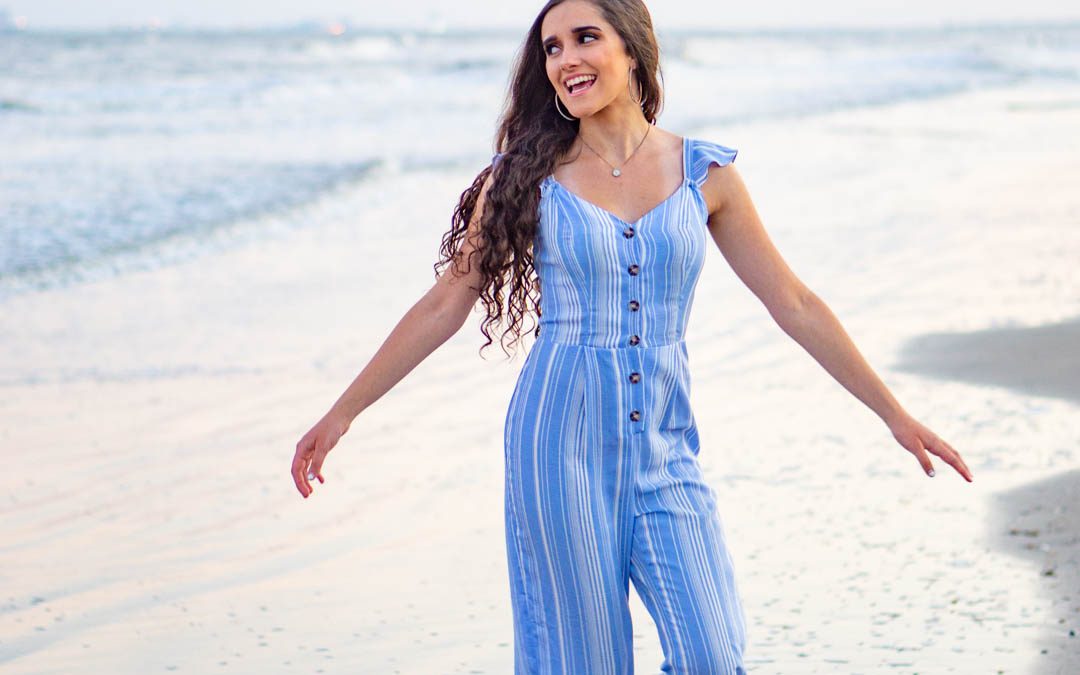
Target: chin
[{"x": 584, "y": 111}]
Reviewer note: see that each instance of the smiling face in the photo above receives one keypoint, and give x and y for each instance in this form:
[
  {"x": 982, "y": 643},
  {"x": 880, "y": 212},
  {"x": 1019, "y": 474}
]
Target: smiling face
[{"x": 580, "y": 45}]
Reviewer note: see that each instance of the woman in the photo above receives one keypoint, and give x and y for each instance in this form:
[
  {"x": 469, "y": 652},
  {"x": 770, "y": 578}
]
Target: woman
[{"x": 593, "y": 209}]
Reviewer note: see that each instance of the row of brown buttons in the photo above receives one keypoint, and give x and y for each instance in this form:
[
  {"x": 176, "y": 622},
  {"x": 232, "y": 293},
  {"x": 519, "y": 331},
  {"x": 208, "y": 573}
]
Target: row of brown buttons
[{"x": 635, "y": 415}]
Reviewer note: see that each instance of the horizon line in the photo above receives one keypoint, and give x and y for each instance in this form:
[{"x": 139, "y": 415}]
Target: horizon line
[{"x": 157, "y": 25}]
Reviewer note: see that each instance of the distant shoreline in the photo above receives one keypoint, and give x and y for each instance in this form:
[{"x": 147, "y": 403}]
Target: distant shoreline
[{"x": 318, "y": 27}]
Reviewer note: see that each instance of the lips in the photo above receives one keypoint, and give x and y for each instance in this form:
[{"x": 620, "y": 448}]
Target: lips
[{"x": 579, "y": 88}]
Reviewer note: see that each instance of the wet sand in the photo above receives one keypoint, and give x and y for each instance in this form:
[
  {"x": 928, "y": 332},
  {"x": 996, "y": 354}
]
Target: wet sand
[
  {"x": 1041, "y": 360},
  {"x": 1038, "y": 521}
]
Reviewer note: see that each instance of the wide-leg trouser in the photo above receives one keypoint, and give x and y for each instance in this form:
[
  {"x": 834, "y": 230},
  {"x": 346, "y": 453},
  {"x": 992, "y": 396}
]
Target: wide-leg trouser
[{"x": 596, "y": 499}]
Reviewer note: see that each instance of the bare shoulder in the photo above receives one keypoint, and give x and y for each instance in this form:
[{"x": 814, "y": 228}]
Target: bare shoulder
[{"x": 672, "y": 141}]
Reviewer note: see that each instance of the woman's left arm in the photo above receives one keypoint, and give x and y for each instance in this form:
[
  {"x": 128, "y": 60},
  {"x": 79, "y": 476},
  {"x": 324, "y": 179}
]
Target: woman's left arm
[{"x": 739, "y": 234}]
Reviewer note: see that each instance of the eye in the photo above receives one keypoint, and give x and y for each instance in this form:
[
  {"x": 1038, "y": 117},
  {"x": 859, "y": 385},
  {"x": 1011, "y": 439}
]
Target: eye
[{"x": 548, "y": 49}]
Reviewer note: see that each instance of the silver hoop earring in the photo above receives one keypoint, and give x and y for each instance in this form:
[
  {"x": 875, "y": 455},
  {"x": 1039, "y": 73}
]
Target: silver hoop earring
[
  {"x": 628, "y": 90},
  {"x": 571, "y": 118}
]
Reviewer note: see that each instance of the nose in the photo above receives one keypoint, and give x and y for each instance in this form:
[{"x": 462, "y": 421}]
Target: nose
[{"x": 568, "y": 56}]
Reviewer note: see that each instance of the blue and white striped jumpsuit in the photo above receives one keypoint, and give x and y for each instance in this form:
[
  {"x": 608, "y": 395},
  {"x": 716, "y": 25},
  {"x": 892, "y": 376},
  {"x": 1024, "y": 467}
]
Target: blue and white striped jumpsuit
[{"x": 603, "y": 485}]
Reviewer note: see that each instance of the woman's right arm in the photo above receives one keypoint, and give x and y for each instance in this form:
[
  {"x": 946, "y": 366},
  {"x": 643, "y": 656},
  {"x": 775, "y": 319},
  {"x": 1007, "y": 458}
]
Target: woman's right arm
[{"x": 430, "y": 322}]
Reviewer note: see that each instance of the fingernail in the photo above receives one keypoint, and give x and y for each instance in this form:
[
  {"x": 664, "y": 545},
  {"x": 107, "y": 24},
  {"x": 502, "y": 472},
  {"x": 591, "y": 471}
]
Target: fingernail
[{"x": 930, "y": 473}]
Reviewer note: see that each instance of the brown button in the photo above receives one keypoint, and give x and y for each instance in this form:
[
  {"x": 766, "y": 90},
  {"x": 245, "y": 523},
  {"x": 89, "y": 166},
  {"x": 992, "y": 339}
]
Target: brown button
[
  {"x": 635, "y": 378},
  {"x": 634, "y": 305},
  {"x": 633, "y": 270},
  {"x": 635, "y": 415},
  {"x": 628, "y": 232},
  {"x": 634, "y": 339}
]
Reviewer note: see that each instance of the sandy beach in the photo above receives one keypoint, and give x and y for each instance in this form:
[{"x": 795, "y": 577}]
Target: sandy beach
[
  {"x": 149, "y": 522},
  {"x": 1039, "y": 521}
]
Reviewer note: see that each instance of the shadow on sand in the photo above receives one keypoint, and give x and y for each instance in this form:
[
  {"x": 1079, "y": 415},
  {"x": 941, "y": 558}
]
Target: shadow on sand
[
  {"x": 1040, "y": 360},
  {"x": 1040, "y": 522}
]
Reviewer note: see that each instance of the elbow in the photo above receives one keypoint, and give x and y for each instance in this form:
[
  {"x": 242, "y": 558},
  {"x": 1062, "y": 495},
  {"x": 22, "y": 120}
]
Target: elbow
[
  {"x": 446, "y": 315},
  {"x": 795, "y": 308},
  {"x": 449, "y": 301},
  {"x": 453, "y": 319}
]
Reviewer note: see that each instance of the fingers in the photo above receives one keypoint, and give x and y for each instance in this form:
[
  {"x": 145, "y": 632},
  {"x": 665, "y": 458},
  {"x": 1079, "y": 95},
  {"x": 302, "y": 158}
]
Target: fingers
[
  {"x": 953, "y": 457},
  {"x": 920, "y": 441},
  {"x": 942, "y": 449},
  {"x": 315, "y": 471},
  {"x": 966, "y": 472},
  {"x": 924, "y": 459},
  {"x": 307, "y": 464},
  {"x": 301, "y": 461},
  {"x": 299, "y": 471}
]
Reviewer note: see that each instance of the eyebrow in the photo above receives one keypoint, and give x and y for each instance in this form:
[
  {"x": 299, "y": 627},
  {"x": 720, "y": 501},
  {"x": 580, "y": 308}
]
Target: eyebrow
[{"x": 552, "y": 38}]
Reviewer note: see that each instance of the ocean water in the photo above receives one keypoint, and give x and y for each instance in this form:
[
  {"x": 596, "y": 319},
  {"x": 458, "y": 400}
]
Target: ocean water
[{"x": 125, "y": 150}]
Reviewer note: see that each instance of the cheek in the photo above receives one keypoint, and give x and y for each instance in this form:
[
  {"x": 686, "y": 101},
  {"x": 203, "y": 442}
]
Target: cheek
[
  {"x": 552, "y": 72},
  {"x": 607, "y": 74}
]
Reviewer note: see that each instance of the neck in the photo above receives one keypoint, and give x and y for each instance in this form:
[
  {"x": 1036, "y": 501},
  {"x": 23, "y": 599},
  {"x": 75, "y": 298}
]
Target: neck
[{"x": 614, "y": 133}]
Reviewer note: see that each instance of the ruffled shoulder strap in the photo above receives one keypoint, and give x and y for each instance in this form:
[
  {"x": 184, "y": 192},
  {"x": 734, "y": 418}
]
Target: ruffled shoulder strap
[{"x": 705, "y": 153}]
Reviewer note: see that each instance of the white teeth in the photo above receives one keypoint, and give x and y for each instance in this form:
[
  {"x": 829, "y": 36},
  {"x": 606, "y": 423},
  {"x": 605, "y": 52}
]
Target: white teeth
[{"x": 580, "y": 78}]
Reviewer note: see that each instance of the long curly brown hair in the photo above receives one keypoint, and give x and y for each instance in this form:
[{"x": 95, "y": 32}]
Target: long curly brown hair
[{"x": 532, "y": 136}]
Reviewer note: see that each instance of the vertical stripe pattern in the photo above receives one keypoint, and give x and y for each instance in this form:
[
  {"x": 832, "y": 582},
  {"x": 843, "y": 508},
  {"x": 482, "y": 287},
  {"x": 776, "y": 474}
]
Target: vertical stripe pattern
[{"x": 603, "y": 486}]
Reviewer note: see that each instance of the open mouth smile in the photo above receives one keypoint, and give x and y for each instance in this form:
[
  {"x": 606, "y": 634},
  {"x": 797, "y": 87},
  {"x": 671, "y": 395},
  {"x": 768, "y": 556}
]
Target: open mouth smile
[{"x": 579, "y": 84}]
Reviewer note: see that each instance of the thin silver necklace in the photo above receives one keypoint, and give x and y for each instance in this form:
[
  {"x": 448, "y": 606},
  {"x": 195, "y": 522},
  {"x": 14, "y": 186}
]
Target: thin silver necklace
[{"x": 616, "y": 172}]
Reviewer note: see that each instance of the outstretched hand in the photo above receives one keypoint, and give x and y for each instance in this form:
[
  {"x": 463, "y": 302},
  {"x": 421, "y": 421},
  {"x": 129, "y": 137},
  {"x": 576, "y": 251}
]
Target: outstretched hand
[
  {"x": 919, "y": 441},
  {"x": 312, "y": 449}
]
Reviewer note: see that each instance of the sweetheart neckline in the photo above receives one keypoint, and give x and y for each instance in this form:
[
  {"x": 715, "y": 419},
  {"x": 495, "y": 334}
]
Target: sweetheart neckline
[
  {"x": 665, "y": 200},
  {"x": 609, "y": 213}
]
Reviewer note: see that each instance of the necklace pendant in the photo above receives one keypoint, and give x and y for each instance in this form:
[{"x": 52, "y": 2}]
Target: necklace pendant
[{"x": 616, "y": 173}]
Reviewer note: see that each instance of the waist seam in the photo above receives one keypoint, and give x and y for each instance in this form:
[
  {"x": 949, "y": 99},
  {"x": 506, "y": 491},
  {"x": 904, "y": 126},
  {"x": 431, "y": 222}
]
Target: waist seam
[{"x": 642, "y": 345}]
